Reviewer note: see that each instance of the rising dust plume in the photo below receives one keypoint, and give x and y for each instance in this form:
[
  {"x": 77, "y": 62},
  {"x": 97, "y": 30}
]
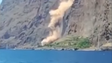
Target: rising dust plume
[{"x": 55, "y": 16}]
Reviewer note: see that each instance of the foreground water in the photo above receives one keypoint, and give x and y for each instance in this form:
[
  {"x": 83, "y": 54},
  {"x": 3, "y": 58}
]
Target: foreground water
[{"x": 52, "y": 56}]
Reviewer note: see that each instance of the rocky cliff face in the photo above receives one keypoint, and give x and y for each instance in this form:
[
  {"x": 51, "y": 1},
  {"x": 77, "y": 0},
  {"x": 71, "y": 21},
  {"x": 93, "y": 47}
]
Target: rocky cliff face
[{"x": 23, "y": 23}]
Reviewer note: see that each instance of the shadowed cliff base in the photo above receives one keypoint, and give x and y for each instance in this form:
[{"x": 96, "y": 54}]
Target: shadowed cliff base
[
  {"x": 70, "y": 43},
  {"x": 75, "y": 43}
]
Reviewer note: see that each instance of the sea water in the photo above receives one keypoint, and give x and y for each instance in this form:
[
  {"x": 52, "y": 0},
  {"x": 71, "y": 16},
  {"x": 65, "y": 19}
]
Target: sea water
[{"x": 54, "y": 56}]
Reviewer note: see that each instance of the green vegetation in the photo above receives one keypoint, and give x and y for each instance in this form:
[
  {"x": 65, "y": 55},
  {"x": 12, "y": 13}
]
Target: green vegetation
[{"x": 71, "y": 42}]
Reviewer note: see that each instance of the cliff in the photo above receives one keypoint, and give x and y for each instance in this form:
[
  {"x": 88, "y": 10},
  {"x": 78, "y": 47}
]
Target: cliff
[{"x": 23, "y": 23}]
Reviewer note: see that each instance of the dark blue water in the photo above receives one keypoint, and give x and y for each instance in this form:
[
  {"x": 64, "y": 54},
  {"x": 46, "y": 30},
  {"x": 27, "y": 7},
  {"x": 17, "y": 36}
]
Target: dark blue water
[{"x": 52, "y": 56}]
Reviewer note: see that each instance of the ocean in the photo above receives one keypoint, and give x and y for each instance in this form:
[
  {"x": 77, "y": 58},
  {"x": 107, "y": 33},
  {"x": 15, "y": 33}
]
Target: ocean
[{"x": 54, "y": 56}]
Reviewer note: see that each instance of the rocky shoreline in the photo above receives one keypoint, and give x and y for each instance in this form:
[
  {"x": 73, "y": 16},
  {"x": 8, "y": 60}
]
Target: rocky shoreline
[{"x": 106, "y": 48}]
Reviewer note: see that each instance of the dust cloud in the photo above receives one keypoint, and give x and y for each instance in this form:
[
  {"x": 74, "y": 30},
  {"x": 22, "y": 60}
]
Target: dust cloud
[{"x": 55, "y": 16}]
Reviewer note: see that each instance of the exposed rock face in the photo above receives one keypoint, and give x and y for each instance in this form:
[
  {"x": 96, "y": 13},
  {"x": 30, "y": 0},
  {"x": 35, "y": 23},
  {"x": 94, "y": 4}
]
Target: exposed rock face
[
  {"x": 23, "y": 23},
  {"x": 92, "y": 18}
]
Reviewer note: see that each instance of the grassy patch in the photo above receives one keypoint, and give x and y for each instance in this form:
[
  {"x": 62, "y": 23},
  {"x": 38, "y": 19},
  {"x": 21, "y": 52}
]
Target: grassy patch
[{"x": 71, "y": 42}]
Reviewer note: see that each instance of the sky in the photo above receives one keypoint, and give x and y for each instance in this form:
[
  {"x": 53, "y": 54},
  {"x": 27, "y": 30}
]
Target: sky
[{"x": 0, "y": 1}]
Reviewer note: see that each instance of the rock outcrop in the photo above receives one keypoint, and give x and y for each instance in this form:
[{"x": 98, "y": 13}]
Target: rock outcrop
[{"x": 23, "y": 23}]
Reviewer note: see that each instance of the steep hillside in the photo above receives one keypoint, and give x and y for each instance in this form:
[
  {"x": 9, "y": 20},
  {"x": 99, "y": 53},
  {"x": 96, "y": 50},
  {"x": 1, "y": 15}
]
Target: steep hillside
[{"x": 23, "y": 23}]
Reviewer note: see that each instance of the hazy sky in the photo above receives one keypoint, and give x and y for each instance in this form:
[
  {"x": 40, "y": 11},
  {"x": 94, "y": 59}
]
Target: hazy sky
[{"x": 0, "y": 1}]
